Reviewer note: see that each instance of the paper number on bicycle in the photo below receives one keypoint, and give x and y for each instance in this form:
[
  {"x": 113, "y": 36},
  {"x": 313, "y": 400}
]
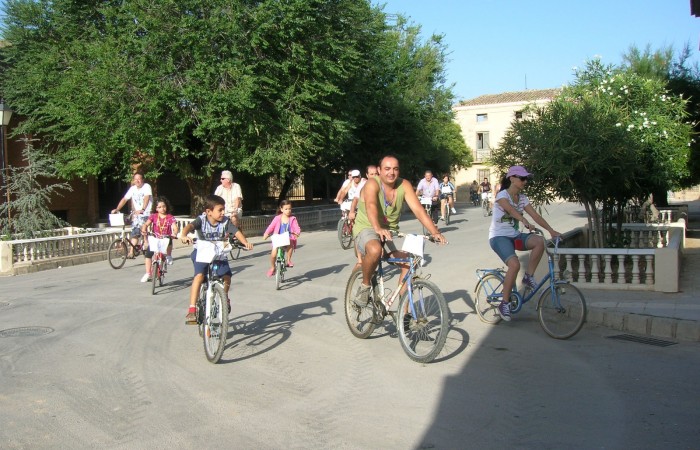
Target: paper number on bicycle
[
  {"x": 280, "y": 240},
  {"x": 159, "y": 245},
  {"x": 208, "y": 251},
  {"x": 116, "y": 220},
  {"x": 413, "y": 244}
]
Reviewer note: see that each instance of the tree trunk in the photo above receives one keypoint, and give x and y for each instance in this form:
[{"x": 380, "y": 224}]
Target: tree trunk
[
  {"x": 199, "y": 189},
  {"x": 286, "y": 186}
]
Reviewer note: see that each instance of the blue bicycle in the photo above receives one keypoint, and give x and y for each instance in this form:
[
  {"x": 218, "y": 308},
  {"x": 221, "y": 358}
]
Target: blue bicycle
[
  {"x": 561, "y": 307},
  {"x": 422, "y": 317}
]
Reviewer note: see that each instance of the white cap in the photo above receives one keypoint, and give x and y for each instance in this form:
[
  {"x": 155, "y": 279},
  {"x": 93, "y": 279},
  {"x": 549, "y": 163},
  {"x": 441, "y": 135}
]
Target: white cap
[
  {"x": 355, "y": 173},
  {"x": 227, "y": 174}
]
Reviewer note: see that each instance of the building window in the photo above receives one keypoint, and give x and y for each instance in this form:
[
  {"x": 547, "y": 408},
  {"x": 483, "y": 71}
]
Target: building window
[
  {"x": 483, "y": 148},
  {"x": 518, "y": 115},
  {"x": 483, "y": 173},
  {"x": 482, "y": 117}
]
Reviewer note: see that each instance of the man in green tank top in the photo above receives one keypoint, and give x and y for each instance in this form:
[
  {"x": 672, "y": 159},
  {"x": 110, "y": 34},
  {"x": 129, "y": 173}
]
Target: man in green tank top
[{"x": 378, "y": 212}]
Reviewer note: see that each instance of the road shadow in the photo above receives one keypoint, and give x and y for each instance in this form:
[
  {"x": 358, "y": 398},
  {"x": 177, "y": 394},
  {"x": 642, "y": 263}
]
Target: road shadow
[
  {"x": 171, "y": 286},
  {"x": 257, "y": 333},
  {"x": 315, "y": 274}
]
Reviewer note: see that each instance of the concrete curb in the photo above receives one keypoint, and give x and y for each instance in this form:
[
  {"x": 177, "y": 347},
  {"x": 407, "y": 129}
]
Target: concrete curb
[{"x": 645, "y": 325}]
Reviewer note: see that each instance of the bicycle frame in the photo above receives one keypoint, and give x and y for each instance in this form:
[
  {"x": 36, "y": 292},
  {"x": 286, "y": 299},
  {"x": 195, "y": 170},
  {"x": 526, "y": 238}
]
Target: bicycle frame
[
  {"x": 412, "y": 261},
  {"x": 548, "y": 278}
]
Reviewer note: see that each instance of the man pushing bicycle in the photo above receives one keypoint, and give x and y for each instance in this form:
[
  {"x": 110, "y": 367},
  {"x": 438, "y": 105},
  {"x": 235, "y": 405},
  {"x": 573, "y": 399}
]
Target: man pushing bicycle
[{"x": 379, "y": 212}]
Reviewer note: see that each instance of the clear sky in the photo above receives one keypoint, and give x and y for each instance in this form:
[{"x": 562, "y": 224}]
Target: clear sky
[{"x": 508, "y": 45}]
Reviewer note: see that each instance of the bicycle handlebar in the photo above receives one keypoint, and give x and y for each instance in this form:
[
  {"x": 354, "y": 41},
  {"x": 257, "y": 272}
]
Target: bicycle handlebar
[{"x": 549, "y": 243}]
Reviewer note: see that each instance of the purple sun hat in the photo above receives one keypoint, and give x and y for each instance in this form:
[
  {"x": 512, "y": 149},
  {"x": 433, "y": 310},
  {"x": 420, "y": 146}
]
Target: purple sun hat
[{"x": 518, "y": 171}]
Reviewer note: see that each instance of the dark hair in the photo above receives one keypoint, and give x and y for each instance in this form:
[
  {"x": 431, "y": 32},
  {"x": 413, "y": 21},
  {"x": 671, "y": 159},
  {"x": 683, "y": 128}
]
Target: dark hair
[
  {"x": 163, "y": 199},
  {"x": 505, "y": 183},
  {"x": 283, "y": 203},
  {"x": 388, "y": 155},
  {"x": 212, "y": 201}
]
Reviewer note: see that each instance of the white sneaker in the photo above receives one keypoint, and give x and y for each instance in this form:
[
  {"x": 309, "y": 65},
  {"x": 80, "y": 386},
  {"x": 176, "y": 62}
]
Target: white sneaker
[
  {"x": 145, "y": 278},
  {"x": 454, "y": 211},
  {"x": 169, "y": 259}
]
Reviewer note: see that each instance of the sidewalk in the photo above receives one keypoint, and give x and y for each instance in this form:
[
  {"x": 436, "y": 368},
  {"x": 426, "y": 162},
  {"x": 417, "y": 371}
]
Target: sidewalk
[{"x": 654, "y": 314}]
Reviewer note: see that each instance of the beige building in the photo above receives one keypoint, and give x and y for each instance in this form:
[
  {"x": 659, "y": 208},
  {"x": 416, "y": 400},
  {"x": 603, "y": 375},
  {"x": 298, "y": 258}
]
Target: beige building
[{"x": 484, "y": 121}]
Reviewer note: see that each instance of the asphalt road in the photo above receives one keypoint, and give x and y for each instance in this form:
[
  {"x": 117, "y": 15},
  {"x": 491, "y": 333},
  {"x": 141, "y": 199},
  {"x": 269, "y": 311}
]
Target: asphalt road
[{"x": 90, "y": 359}]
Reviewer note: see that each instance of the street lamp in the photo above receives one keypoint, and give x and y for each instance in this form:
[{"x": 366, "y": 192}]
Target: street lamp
[{"x": 5, "y": 116}]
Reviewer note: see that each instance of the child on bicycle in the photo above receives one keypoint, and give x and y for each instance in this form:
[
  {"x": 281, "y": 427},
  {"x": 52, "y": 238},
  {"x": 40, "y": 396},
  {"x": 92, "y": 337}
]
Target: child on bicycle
[
  {"x": 212, "y": 225},
  {"x": 163, "y": 225},
  {"x": 505, "y": 235},
  {"x": 447, "y": 196},
  {"x": 283, "y": 222}
]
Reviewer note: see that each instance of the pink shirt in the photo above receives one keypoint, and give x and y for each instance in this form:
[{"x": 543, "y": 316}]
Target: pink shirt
[
  {"x": 274, "y": 227},
  {"x": 162, "y": 227}
]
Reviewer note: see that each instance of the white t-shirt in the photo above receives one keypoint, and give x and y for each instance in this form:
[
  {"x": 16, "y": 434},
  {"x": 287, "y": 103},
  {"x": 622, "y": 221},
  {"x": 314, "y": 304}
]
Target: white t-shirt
[
  {"x": 355, "y": 189},
  {"x": 229, "y": 195},
  {"x": 502, "y": 224},
  {"x": 137, "y": 196}
]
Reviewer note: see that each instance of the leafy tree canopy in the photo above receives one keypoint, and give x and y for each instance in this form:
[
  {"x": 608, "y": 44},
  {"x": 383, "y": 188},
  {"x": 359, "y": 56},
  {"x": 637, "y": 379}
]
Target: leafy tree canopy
[
  {"x": 266, "y": 87},
  {"x": 610, "y": 137}
]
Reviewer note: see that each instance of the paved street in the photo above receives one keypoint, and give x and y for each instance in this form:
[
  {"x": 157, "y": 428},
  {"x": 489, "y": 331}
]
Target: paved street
[{"x": 104, "y": 364}]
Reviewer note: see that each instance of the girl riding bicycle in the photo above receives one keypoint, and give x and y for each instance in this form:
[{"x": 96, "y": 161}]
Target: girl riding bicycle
[
  {"x": 283, "y": 222},
  {"x": 505, "y": 235},
  {"x": 163, "y": 225}
]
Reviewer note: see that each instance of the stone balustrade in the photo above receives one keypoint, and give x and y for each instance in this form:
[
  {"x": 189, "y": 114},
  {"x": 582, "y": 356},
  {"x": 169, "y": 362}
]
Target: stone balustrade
[
  {"x": 651, "y": 262},
  {"x": 72, "y": 245}
]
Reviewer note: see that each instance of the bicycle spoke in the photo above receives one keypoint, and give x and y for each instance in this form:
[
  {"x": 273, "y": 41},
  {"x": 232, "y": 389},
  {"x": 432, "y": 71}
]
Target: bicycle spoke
[
  {"x": 562, "y": 311},
  {"x": 423, "y": 321}
]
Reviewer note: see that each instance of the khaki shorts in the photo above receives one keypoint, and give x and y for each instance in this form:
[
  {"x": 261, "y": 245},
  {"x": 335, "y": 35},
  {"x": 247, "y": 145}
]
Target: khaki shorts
[{"x": 368, "y": 234}]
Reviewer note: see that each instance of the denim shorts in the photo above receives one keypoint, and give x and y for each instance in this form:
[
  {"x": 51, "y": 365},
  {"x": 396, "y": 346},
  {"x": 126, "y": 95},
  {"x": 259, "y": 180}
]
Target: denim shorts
[
  {"x": 504, "y": 246},
  {"x": 368, "y": 234},
  {"x": 200, "y": 267}
]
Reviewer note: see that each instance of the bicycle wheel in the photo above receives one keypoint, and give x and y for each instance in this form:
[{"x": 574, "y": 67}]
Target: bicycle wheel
[
  {"x": 116, "y": 253},
  {"x": 235, "y": 251},
  {"x": 485, "y": 302},
  {"x": 162, "y": 270},
  {"x": 216, "y": 325},
  {"x": 428, "y": 210},
  {"x": 447, "y": 214},
  {"x": 344, "y": 234},
  {"x": 485, "y": 207},
  {"x": 360, "y": 320},
  {"x": 279, "y": 275},
  {"x": 154, "y": 275},
  {"x": 201, "y": 299},
  {"x": 562, "y": 314},
  {"x": 422, "y": 337}
]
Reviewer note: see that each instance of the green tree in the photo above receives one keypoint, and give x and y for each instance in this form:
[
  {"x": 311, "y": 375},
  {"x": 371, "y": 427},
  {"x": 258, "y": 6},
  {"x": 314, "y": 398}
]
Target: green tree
[
  {"x": 190, "y": 86},
  {"x": 610, "y": 137},
  {"x": 682, "y": 79},
  {"x": 193, "y": 86},
  {"x": 406, "y": 105},
  {"x": 31, "y": 187}
]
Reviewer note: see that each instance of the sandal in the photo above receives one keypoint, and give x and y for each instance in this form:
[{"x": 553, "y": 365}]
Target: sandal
[{"x": 290, "y": 264}]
